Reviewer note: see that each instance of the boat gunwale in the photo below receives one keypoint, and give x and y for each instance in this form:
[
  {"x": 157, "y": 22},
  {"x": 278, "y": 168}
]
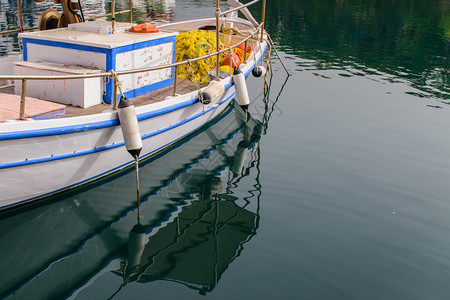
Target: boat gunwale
[{"x": 110, "y": 118}]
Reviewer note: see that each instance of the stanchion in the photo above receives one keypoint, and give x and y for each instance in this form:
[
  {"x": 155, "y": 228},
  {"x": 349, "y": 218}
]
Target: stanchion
[{"x": 22, "y": 99}]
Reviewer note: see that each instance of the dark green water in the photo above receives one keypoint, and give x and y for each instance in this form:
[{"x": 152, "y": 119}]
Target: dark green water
[{"x": 344, "y": 196}]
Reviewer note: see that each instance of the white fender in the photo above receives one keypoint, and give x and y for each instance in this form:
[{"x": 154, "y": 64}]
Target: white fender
[
  {"x": 212, "y": 92},
  {"x": 241, "y": 89},
  {"x": 130, "y": 127}
]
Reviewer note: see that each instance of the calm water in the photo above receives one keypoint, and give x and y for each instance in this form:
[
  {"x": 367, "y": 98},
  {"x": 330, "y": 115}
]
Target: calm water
[{"x": 337, "y": 189}]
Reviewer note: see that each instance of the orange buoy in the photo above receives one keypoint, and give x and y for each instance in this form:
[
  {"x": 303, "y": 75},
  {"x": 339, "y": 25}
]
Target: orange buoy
[{"x": 228, "y": 61}]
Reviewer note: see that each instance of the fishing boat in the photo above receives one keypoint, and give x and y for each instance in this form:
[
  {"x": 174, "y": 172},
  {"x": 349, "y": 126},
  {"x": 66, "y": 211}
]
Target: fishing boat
[
  {"x": 69, "y": 241},
  {"x": 87, "y": 92}
]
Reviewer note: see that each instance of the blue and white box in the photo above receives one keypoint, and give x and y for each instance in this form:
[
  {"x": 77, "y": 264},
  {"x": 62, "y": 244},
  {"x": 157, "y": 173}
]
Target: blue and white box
[{"x": 92, "y": 45}]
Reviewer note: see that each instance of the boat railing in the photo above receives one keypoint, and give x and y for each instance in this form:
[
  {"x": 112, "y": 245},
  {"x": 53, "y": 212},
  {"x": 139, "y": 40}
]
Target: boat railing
[{"x": 114, "y": 75}]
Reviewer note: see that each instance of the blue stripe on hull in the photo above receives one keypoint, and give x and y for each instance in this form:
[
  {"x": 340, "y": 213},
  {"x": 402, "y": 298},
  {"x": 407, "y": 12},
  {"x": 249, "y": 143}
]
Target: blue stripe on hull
[{"x": 106, "y": 147}]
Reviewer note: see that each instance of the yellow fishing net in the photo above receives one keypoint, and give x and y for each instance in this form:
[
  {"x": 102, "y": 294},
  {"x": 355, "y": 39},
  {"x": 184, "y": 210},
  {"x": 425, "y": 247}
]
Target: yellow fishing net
[{"x": 193, "y": 44}]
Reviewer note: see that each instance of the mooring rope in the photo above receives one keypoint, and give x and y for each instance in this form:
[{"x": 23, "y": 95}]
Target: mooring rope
[
  {"x": 200, "y": 98},
  {"x": 118, "y": 83}
]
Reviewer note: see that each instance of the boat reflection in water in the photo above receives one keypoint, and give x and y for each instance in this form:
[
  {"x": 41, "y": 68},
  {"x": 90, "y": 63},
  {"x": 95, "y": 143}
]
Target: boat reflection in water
[
  {"x": 196, "y": 247},
  {"x": 59, "y": 248}
]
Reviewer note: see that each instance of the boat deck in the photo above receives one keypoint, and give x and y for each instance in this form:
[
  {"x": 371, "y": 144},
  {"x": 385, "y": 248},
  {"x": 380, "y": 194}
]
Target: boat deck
[
  {"x": 40, "y": 108},
  {"x": 34, "y": 108}
]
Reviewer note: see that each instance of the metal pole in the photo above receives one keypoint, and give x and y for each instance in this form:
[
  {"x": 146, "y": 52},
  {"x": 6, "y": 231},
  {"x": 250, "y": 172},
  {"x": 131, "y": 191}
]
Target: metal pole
[
  {"x": 19, "y": 5},
  {"x": 115, "y": 93},
  {"x": 131, "y": 11},
  {"x": 175, "y": 81},
  {"x": 245, "y": 52},
  {"x": 263, "y": 19},
  {"x": 113, "y": 16},
  {"x": 217, "y": 39},
  {"x": 22, "y": 99}
]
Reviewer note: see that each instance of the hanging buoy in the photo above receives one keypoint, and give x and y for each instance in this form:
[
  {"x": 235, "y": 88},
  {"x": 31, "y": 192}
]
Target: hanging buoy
[
  {"x": 136, "y": 246},
  {"x": 231, "y": 59},
  {"x": 259, "y": 71},
  {"x": 213, "y": 91},
  {"x": 241, "y": 89},
  {"x": 130, "y": 127}
]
